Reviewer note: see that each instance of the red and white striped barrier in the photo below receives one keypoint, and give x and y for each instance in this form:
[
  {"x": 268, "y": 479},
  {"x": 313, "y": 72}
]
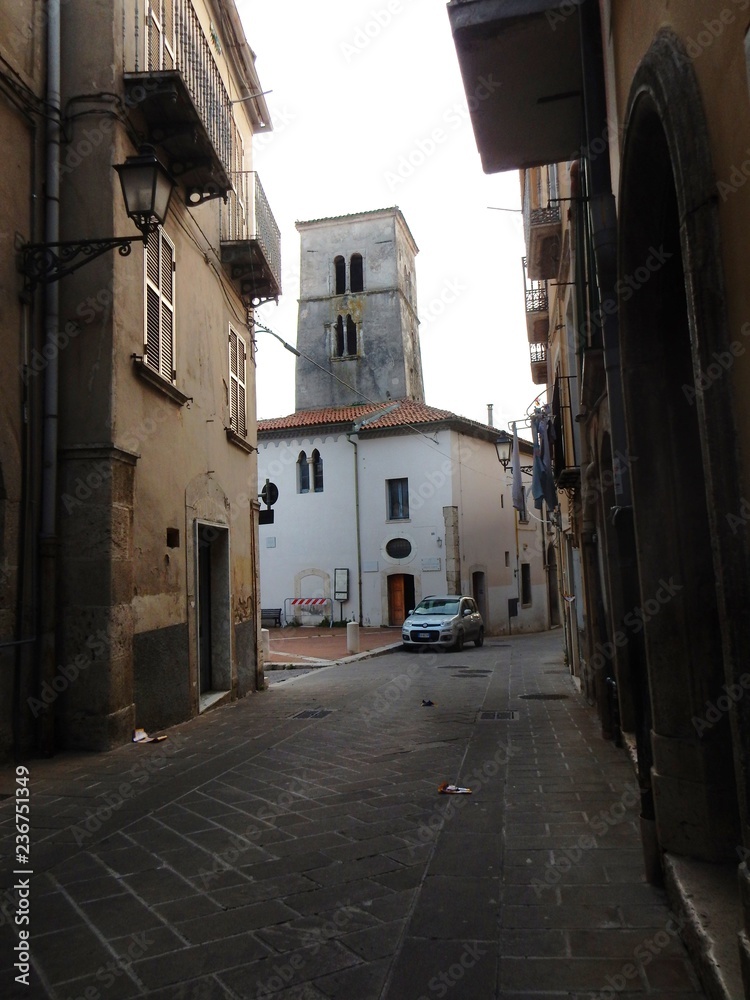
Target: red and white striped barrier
[{"x": 311, "y": 605}]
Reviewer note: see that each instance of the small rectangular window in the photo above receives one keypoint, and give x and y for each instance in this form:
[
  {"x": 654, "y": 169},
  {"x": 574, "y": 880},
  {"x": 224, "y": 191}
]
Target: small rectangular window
[
  {"x": 398, "y": 499},
  {"x": 507, "y": 558},
  {"x": 525, "y": 584}
]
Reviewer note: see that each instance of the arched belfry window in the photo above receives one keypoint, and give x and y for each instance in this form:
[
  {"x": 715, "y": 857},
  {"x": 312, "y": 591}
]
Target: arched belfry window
[
  {"x": 339, "y": 269},
  {"x": 303, "y": 474},
  {"x": 338, "y": 347},
  {"x": 317, "y": 466},
  {"x": 351, "y": 336},
  {"x": 356, "y": 273}
]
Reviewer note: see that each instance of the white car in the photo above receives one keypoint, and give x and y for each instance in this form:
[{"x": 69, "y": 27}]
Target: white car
[{"x": 445, "y": 622}]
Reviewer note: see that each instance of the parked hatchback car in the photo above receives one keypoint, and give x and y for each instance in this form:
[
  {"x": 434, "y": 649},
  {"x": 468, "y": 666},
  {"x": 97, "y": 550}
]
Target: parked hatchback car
[{"x": 445, "y": 622}]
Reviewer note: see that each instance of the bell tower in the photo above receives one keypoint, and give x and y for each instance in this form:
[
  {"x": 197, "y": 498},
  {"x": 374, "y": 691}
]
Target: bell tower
[{"x": 357, "y": 311}]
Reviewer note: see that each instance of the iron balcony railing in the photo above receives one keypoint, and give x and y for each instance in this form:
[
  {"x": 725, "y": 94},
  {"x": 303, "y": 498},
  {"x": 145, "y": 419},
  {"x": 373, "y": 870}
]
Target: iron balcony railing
[
  {"x": 246, "y": 216},
  {"x": 547, "y": 193},
  {"x": 168, "y": 36},
  {"x": 538, "y": 353},
  {"x": 537, "y": 299}
]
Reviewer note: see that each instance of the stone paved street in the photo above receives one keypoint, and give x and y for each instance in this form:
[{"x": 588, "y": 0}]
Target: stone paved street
[{"x": 294, "y": 845}]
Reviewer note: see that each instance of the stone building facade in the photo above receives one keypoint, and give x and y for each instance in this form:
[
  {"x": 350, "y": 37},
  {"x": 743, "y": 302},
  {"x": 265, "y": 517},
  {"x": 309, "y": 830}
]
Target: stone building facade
[
  {"x": 642, "y": 109},
  {"x": 140, "y": 547}
]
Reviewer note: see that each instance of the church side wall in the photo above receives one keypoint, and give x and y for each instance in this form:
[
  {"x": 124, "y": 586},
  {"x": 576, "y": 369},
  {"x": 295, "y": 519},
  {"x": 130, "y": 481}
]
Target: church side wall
[{"x": 313, "y": 533}]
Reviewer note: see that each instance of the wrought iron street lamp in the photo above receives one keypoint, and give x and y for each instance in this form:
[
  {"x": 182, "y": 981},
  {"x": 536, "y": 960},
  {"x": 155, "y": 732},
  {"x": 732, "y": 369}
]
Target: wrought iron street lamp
[
  {"x": 146, "y": 190},
  {"x": 504, "y": 447}
]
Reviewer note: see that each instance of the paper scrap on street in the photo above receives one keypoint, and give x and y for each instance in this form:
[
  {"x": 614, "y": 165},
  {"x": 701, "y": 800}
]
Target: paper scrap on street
[
  {"x": 141, "y": 736},
  {"x": 446, "y": 789}
]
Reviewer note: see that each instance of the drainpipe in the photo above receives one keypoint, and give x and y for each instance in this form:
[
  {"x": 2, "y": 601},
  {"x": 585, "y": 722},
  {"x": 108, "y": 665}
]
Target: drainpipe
[
  {"x": 356, "y": 514},
  {"x": 48, "y": 538},
  {"x": 603, "y": 223}
]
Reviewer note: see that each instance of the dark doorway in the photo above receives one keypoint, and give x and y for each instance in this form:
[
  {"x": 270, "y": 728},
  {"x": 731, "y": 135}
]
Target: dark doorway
[
  {"x": 479, "y": 594},
  {"x": 400, "y": 597},
  {"x": 213, "y": 608},
  {"x": 553, "y": 590},
  {"x": 678, "y": 612}
]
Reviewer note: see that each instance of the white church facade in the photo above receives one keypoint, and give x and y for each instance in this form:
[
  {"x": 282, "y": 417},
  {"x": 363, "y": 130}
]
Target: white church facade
[{"x": 383, "y": 499}]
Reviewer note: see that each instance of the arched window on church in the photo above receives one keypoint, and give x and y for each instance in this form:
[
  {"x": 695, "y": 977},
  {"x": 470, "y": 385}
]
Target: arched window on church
[
  {"x": 338, "y": 347},
  {"x": 303, "y": 474},
  {"x": 351, "y": 336},
  {"x": 339, "y": 269},
  {"x": 317, "y": 467},
  {"x": 356, "y": 273}
]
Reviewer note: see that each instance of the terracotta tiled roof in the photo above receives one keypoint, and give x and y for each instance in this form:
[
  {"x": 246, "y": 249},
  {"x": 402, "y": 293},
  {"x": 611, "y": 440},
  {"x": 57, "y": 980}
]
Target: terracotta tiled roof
[
  {"x": 397, "y": 413},
  {"x": 318, "y": 418}
]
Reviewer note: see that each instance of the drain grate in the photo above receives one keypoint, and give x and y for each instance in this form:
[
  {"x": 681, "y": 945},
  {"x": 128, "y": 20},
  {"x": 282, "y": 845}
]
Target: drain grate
[
  {"x": 313, "y": 713},
  {"x": 474, "y": 673},
  {"x": 497, "y": 716},
  {"x": 544, "y": 697}
]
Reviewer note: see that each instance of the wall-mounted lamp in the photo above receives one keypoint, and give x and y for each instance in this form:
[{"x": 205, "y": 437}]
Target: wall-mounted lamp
[
  {"x": 504, "y": 449},
  {"x": 146, "y": 190}
]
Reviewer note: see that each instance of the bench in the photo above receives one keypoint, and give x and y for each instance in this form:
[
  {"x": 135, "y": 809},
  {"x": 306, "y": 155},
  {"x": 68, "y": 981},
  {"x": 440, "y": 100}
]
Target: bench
[{"x": 272, "y": 615}]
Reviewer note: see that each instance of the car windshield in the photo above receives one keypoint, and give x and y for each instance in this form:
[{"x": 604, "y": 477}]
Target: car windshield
[{"x": 437, "y": 606}]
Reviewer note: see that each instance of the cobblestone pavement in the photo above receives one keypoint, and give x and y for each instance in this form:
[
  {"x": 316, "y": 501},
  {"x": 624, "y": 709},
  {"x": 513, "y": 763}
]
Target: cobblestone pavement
[{"x": 294, "y": 845}]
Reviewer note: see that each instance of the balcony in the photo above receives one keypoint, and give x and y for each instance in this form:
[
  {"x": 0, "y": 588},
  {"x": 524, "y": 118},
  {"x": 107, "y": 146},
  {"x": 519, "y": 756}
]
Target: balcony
[
  {"x": 175, "y": 84},
  {"x": 542, "y": 223},
  {"x": 250, "y": 240},
  {"x": 537, "y": 308},
  {"x": 521, "y": 66},
  {"x": 538, "y": 358}
]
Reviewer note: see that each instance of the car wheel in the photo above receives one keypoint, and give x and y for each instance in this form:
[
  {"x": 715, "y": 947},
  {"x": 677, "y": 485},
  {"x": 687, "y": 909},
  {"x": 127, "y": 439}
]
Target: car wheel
[
  {"x": 458, "y": 645},
  {"x": 479, "y": 641}
]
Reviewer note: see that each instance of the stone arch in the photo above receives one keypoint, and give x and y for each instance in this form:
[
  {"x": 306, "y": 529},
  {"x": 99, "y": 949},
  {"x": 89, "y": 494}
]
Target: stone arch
[{"x": 673, "y": 319}]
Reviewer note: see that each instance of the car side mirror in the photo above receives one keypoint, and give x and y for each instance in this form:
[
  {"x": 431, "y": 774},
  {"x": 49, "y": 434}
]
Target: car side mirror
[
  {"x": 410, "y": 612},
  {"x": 466, "y": 612}
]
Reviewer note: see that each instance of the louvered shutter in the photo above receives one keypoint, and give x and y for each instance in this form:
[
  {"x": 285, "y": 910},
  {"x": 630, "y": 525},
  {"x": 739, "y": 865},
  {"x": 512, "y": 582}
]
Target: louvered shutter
[
  {"x": 237, "y": 377},
  {"x": 160, "y": 27},
  {"x": 159, "y": 343}
]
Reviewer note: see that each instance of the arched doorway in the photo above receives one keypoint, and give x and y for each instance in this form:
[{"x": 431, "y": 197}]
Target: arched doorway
[{"x": 671, "y": 320}]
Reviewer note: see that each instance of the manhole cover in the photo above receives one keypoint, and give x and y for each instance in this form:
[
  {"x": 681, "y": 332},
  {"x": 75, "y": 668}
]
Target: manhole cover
[
  {"x": 544, "y": 697},
  {"x": 497, "y": 716},
  {"x": 313, "y": 713}
]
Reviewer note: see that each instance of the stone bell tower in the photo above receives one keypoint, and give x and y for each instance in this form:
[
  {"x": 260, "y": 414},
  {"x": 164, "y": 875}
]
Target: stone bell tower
[{"x": 358, "y": 311}]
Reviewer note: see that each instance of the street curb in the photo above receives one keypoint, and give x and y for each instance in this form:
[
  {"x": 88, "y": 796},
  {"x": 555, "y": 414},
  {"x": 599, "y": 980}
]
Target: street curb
[{"x": 317, "y": 664}]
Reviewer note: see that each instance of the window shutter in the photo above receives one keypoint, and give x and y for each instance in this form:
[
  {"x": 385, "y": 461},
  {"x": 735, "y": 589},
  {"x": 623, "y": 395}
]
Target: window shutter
[
  {"x": 237, "y": 379},
  {"x": 159, "y": 345},
  {"x": 160, "y": 39}
]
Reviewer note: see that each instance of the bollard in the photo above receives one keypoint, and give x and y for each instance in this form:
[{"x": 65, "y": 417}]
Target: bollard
[
  {"x": 265, "y": 643},
  {"x": 352, "y": 637}
]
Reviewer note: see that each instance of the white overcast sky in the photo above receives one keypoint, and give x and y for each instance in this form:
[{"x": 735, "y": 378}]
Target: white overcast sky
[{"x": 368, "y": 115}]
